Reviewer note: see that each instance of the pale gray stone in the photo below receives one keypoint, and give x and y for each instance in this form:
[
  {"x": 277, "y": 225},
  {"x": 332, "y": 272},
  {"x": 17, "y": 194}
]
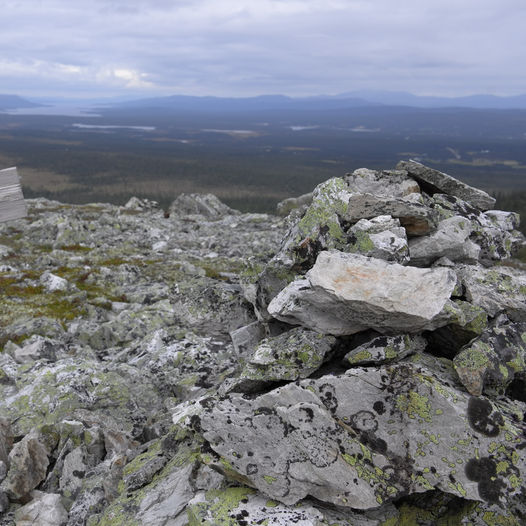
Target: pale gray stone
[
  {"x": 207, "y": 205},
  {"x": 385, "y": 349},
  {"x": 381, "y": 237},
  {"x": 416, "y": 217},
  {"x": 451, "y": 240},
  {"x": 45, "y": 509},
  {"x": 54, "y": 283},
  {"x": 345, "y": 440},
  {"x": 441, "y": 182},
  {"x": 246, "y": 338},
  {"x": 36, "y": 348},
  {"x": 345, "y": 293},
  {"x": 28, "y": 462},
  {"x": 387, "y": 183},
  {"x": 290, "y": 356},
  {"x": 284, "y": 207},
  {"x": 246, "y": 506},
  {"x": 497, "y": 289},
  {"x": 492, "y": 361}
]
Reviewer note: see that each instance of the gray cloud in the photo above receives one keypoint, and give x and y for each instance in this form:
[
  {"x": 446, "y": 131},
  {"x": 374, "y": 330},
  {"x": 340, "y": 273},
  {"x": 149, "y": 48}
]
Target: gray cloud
[{"x": 242, "y": 47}]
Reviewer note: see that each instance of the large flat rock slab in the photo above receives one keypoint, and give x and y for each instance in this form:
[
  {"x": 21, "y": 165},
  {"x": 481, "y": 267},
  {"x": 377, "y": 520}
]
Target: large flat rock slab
[
  {"x": 367, "y": 437},
  {"x": 444, "y": 183},
  {"x": 345, "y": 293}
]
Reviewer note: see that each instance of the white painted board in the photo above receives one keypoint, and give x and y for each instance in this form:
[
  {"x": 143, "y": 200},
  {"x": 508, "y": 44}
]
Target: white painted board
[{"x": 12, "y": 204}]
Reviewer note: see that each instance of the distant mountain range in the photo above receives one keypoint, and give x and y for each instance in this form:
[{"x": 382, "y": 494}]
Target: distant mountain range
[
  {"x": 358, "y": 99},
  {"x": 354, "y": 99}
]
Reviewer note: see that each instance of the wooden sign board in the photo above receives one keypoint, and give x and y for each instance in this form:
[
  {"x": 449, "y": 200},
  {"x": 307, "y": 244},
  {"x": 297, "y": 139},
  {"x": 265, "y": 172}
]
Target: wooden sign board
[{"x": 12, "y": 204}]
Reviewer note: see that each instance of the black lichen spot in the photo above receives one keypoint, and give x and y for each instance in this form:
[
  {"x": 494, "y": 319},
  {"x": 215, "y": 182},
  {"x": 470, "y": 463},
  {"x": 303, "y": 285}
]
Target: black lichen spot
[
  {"x": 328, "y": 397},
  {"x": 309, "y": 412},
  {"x": 364, "y": 421},
  {"x": 484, "y": 471},
  {"x": 482, "y": 418},
  {"x": 252, "y": 469},
  {"x": 379, "y": 407},
  {"x": 377, "y": 444},
  {"x": 478, "y": 469},
  {"x": 195, "y": 423}
]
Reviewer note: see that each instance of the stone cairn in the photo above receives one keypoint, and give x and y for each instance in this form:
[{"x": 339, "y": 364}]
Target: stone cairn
[{"x": 370, "y": 372}]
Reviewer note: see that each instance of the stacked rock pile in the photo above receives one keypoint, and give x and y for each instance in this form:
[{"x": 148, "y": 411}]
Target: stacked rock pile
[{"x": 367, "y": 370}]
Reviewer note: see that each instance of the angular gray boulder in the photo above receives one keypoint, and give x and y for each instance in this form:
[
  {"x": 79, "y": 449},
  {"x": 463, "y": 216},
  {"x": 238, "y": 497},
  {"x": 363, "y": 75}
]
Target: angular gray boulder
[
  {"x": 495, "y": 359},
  {"x": 367, "y": 437},
  {"x": 437, "y": 181},
  {"x": 346, "y": 293}
]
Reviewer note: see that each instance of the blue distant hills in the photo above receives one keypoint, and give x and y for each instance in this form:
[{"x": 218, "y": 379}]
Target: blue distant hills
[{"x": 353, "y": 99}]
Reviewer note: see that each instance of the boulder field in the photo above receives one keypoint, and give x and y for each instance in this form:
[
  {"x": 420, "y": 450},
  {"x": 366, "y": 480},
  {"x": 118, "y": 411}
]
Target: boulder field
[{"x": 360, "y": 361}]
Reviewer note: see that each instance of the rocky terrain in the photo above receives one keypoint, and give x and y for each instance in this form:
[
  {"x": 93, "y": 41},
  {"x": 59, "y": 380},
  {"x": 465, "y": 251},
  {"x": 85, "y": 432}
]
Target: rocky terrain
[{"x": 360, "y": 362}]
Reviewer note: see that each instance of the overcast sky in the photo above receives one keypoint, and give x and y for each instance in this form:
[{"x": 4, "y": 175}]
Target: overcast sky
[{"x": 252, "y": 47}]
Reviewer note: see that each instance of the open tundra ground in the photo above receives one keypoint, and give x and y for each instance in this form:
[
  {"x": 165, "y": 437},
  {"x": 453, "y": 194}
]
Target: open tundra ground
[{"x": 360, "y": 362}]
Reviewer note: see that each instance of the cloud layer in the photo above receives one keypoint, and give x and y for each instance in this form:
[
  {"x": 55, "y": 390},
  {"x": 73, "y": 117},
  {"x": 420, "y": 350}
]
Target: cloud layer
[{"x": 242, "y": 47}]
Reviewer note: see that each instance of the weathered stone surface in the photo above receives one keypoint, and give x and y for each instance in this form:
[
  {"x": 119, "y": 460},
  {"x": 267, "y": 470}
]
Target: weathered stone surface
[
  {"x": 381, "y": 237},
  {"x": 246, "y": 338},
  {"x": 241, "y": 505},
  {"x": 28, "y": 462},
  {"x": 416, "y": 217},
  {"x": 451, "y": 240},
  {"x": 440, "y": 182},
  {"x": 497, "y": 289},
  {"x": 45, "y": 509},
  {"x": 385, "y": 183},
  {"x": 36, "y": 348},
  {"x": 385, "y": 349},
  {"x": 291, "y": 356},
  {"x": 6, "y": 441},
  {"x": 347, "y": 441},
  {"x": 284, "y": 207},
  {"x": 318, "y": 228},
  {"x": 492, "y": 361},
  {"x": 345, "y": 293},
  {"x": 207, "y": 205},
  {"x": 140, "y": 204}
]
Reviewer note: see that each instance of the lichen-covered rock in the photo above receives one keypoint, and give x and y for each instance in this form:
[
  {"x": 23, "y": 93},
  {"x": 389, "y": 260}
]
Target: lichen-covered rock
[
  {"x": 207, "y": 205},
  {"x": 385, "y": 183},
  {"x": 492, "y": 361},
  {"x": 50, "y": 393},
  {"x": 415, "y": 216},
  {"x": 28, "y": 462},
  {"x": 293, "y": 355},
  {"x": 385, "y": 349},
  {"x": 36, "y": 348},
  {"x": 368, "y": 437},
  {"x": 346, "y": 293},
  {"x": 44, "y": 509},
  {"x": 243, "y": 506},
  {"x": 451, "y": 240},
  {"x": 434, "y": 181},
  {"x": 286, "y": 206},
  {"x": 496, "y": 290},
  {"x": 381, "y": 237}
]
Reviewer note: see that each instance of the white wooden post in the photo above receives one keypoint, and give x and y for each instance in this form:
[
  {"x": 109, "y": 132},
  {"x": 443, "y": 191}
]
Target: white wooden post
[{"x": 12, "y": 204}]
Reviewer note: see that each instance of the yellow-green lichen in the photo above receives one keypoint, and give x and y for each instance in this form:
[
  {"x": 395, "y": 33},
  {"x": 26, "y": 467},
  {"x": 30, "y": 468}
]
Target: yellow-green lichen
[{"x": 414, "y": 405}]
